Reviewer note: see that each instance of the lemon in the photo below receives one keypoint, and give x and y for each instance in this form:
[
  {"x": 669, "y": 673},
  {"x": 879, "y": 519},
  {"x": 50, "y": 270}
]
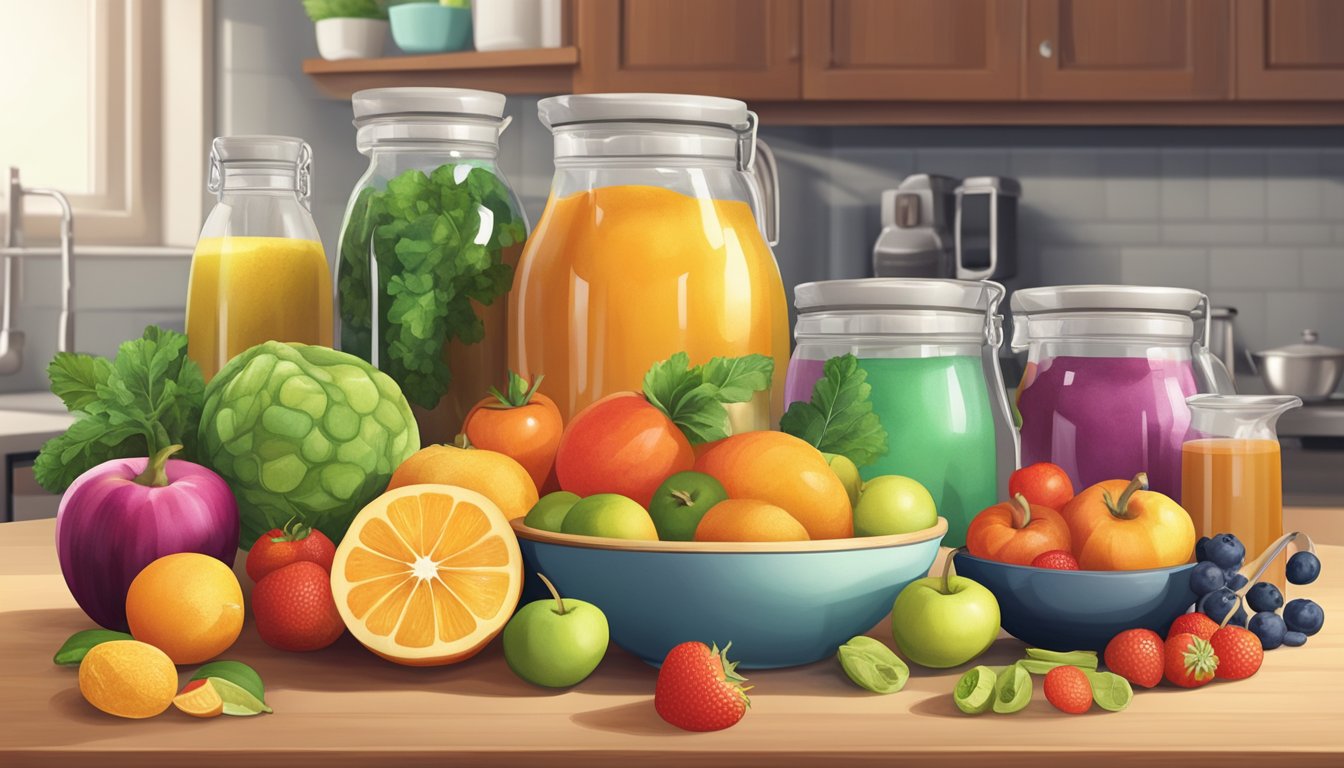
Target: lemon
[
  {"x": 188, "y": 605},
  {"x": 128, "y": 678}
]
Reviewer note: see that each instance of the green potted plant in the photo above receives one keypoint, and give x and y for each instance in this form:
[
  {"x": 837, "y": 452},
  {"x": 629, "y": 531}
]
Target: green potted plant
[{"x": 348, "y": 29}]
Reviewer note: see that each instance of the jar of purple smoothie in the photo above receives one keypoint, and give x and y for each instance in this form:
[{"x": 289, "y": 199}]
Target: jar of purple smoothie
[
  {"x": 930, "y": 352},
  {"x": 1108, "y": 370}
]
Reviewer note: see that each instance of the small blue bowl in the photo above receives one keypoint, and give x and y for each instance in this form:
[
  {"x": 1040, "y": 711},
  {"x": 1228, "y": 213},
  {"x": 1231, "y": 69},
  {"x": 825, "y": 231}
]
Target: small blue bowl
[
  {"x": 781, "y": 604},
  {"x": 1080, "y": 610},
  {"x": 430, "y": 27}
]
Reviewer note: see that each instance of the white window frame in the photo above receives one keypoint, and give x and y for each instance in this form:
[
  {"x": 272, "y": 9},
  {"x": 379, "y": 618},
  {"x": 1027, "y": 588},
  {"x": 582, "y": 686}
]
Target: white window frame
[{"x": 151, "y": 74}]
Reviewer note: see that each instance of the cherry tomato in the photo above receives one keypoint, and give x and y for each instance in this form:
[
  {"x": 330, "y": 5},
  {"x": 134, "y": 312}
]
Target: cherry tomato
[{"x": 1044, "y": 484}]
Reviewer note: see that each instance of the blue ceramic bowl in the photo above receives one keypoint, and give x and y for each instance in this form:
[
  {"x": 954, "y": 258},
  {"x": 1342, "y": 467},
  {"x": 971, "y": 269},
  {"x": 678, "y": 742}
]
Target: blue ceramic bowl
[
  {"x": 430, "y": 27},
  {"x": 1080, "y": 610},
  {"x": 781, "y": 604}
]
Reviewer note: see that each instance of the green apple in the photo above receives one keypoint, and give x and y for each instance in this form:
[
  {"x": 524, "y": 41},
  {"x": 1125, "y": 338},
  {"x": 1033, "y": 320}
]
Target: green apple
[
  {"x": 555, "y": 643},
  {"x": 611, "y": 515},
  {"x": 944, "y": 621},
  {"x": 549, "y": 513},
  {"x": 893, "y": 504},
  {"x": 848, "y": 474},
  {"x": 681, "y": 501}
]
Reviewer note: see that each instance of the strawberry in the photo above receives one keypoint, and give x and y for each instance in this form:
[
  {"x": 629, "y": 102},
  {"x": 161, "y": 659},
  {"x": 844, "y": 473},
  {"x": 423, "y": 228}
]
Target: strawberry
[
  {"x": 1197, "y": 624},
  {"x": 294, "y": 543},
  {"x": 1068, "y": 688},
  {"x": 294, "y": 608},
  {"x": 1056, "y": 559},
  {"x": 1137, "y": 656},
  {"x": 1239, "y": 652},
  {"x": 1190, "y": 660},
  {"x": 698, "y": 689}
]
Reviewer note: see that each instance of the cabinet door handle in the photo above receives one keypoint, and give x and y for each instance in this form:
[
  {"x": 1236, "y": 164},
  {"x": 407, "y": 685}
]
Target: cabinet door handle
[{"x": 1046, "y": 49}]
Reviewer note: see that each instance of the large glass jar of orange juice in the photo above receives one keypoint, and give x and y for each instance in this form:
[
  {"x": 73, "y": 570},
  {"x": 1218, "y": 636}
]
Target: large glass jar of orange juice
[
  {"x": 428, "y": 247},
  {"x": 259, "y": 272},
  {"x": 649, "y": 245}
]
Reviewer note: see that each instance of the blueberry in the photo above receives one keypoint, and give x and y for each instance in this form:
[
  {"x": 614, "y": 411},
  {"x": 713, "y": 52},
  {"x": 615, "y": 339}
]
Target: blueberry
[
  {"x": 1269, "y": 627},
  {"x": 1303, "y": 616},
  {"x": 1234, "y": 579},
  {"x": 1206, "y": 578},
  {"x": 1263, "y": 596},
  {"x": 1216, "y": 604},
  {"x": 1303, "y": 568},
  {"x": 1200, "y": 549},
  {"x": 1294, "y": 639},
  {"x": 1225, "y": 550}
]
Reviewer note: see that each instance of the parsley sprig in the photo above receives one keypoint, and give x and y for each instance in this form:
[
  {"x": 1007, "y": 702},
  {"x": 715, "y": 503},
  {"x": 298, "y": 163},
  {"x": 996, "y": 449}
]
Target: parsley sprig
[{"x": 694, "y": 397}]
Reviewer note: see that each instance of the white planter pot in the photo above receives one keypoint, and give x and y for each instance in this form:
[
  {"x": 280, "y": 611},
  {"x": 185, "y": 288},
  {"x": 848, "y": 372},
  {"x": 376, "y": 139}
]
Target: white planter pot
[
  {"x": 505, "y": 25},
  {"x": 351, "y": 38}
]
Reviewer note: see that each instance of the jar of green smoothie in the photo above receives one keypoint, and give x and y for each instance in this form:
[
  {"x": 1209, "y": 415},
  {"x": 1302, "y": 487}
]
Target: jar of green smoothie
[{"x": 930, "y": 350}]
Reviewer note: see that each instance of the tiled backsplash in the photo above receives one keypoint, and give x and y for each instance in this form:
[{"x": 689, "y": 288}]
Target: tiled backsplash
[{"x": 1254, "y": 217}]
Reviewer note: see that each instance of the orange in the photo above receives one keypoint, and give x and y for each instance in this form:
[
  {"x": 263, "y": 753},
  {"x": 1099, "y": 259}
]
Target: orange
[
  {"x": 499, "y": 477},
  {"x": 748, "y": 520},
  {"x": 782, "y": 470},
  {"x": 427, "y": 574},
  {"x": 200, "y": 699},
  {"x": 128, "y": 678},
  {"x": 187, "y": 605}
]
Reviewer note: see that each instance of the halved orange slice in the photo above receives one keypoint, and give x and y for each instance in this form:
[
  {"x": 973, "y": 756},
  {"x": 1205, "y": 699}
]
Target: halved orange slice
[{"x": 427, "y": 574}]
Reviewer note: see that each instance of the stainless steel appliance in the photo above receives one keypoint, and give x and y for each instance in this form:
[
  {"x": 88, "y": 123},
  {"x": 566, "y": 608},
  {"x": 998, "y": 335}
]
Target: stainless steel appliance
[
  {"x": 940, "y": 227},
  {"x": 986, "y": 228},
  {"x": 917, "y": 238},
  {"x": 1310, "y": 370}
]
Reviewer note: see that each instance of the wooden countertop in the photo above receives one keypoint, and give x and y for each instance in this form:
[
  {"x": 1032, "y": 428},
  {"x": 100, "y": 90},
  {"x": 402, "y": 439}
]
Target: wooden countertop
[{"x": 344, "y": 706}]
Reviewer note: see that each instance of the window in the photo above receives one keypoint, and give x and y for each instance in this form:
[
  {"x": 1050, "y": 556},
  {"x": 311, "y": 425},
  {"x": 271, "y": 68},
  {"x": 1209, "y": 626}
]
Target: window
[{"x": 105, "y": 100}]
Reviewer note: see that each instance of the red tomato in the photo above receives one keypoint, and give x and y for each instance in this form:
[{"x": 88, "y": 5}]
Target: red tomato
[
  {"x": 522, "y": 424},
  {"x": 1042, "y": 483},
  {"x": 621, "y": 444}
]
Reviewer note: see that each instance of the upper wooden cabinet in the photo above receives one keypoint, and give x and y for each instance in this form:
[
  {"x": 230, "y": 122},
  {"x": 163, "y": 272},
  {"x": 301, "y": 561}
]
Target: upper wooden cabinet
[
  {"x": 1127, "y": 50},
  {"x": 1290, "y": 49},
  {"x": 746, "y": 49},
  {"x": 925, "y": 50}
]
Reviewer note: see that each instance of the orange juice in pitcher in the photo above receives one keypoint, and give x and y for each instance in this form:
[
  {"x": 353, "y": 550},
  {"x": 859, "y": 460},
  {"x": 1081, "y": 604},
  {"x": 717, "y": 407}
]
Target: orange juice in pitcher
[
  {"x": 649, "y": 245},
  {"x": 1231, "y": 473}
]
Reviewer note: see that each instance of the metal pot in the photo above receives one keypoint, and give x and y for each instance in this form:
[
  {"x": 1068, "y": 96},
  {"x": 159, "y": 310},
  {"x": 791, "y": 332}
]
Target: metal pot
[{"x": 1309, "y": 370}]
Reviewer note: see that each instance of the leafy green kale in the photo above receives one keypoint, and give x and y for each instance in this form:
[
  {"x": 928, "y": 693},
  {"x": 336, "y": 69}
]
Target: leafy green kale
[
  {"x": 436, "y": 245},
  {"x": 839, "y": 418},
  {"x": 693, "y": 398},
  {"x": 146, "y": 399}
]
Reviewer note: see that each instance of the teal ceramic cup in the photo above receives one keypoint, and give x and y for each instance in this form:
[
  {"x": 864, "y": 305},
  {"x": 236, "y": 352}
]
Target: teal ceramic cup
[
  {"x": 430, "y": 27},
  {"x": 780, "y": 604}
]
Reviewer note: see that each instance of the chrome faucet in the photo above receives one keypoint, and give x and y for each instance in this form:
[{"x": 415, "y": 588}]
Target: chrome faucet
[{"x": 11, "y": 340}]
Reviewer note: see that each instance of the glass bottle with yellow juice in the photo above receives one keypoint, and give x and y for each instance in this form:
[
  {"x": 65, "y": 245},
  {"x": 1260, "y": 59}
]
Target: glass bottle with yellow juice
[
  {"x": 259, "y": 272},
  {"x": 1231, "y": 470}
]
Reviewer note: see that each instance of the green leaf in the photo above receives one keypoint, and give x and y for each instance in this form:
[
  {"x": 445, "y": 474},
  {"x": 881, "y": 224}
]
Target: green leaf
[
  {"x": 78, "y": 645},
  {"x": 839, "y": 418},
  {"x": 235, "y": 672},
  {"x": 738, "y": 379},
  {"x": 319, "y": 10},
  {"x": 75, "y": 378},
  {"x": 238, "y": 701}
]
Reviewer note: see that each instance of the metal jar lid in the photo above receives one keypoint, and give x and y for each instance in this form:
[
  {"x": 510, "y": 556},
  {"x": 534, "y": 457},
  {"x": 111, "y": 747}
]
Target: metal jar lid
[
  {"x": 896, "y": 293},
  {"x": 1106, "y": 298},
  {"x": 557, "y": 111},
  {"x": 1309, "y": 347}
]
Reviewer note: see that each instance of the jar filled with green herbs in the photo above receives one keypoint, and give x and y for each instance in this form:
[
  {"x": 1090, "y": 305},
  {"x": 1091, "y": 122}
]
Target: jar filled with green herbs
[{"x": 428, "y": 248}]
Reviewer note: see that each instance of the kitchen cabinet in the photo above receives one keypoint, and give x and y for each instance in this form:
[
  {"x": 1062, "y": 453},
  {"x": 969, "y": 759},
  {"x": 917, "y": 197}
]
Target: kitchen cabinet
[
  {"x": 1290, "y": 49},
  {"x": 343, "y": 706},
  {"x": 922, "y": 50},
  {"x": 746, "y": 49},
  {"x": 1127, "y": 50}
]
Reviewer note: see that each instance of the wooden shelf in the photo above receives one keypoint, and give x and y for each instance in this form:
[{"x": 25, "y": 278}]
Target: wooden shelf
[{"x": 528, "y": 71}]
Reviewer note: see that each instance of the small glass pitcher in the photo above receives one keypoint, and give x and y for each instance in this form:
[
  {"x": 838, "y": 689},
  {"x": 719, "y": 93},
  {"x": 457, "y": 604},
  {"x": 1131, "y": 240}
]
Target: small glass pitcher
[{"x": 1231, "y": 473}]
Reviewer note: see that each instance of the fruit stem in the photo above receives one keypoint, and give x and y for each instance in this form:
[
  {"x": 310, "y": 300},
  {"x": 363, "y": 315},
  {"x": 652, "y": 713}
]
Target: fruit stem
[
  {"x": 156, "y": 469},
  {"x": 946, "y": 588},
  {"x": 1231, "y": 612},
  {"x": 559, "y": 602},
  {"x": 1021, "y": 510},
  {"x": 684, "y": 497},
  {"x": 294, "y": 530},
  {"x": 1120, "y": 509},
  {"x": 462, "y": 441},
  {"x": 519, "y": 393}
]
